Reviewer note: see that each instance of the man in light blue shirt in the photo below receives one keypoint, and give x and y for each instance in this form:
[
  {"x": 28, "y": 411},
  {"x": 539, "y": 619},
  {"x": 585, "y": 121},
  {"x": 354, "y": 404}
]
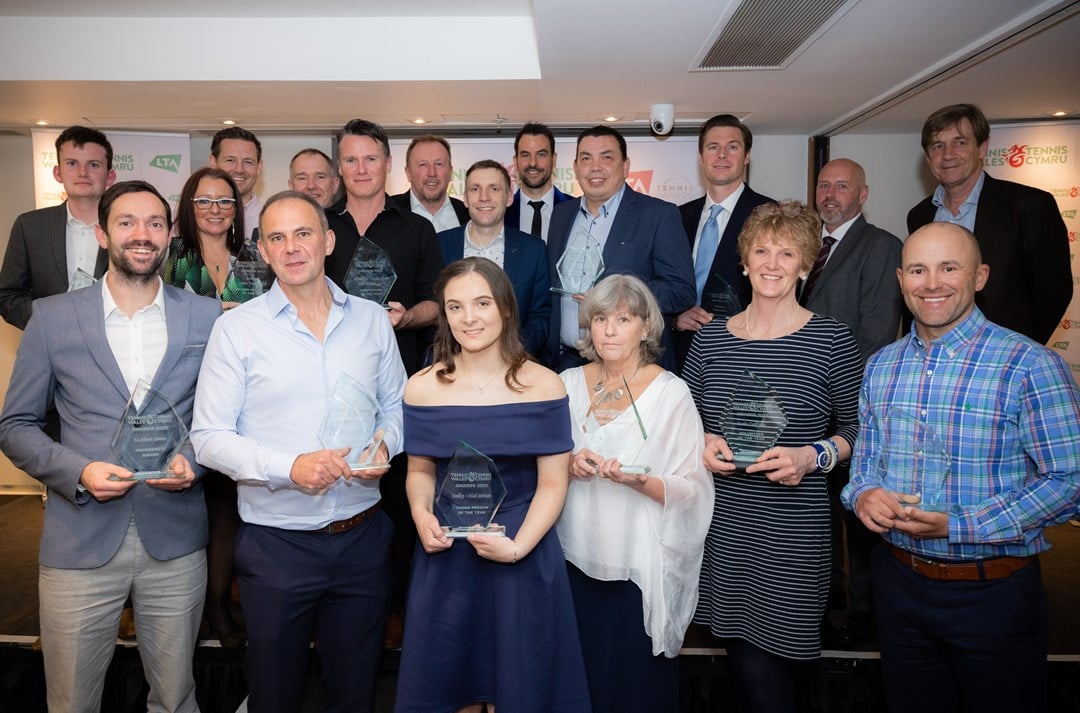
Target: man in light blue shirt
[{"x": 312, "y": 554}]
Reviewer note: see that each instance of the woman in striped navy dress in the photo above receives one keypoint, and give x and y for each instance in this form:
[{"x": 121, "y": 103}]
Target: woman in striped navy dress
[{"x": 765, "y": 575}]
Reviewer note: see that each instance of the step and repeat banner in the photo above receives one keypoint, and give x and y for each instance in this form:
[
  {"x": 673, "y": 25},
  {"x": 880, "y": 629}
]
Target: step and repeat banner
[
  {"x": 1046, "y": 156},
  {"x": 164, "y": 160}
]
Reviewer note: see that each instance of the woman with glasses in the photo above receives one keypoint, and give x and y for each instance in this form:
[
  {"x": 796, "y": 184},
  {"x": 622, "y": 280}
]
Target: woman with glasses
[
  {"x": 201, "y": 258},
  {"x": 638, "y": 507},
  {"x": 777, "y": 387},
  {"x": 211, "y": 235}
]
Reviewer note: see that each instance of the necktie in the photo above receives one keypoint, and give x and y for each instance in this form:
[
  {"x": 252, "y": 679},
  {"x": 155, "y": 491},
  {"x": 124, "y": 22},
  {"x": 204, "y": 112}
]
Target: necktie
[
  {"x": 710, "y": 239},
  {"x": 823, "y": 257},
  {"x": 536, "y": 224}
]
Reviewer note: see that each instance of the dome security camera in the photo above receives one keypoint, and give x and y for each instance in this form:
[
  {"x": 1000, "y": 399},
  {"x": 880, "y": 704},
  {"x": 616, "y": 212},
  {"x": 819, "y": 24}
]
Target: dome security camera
[{"x": 662, "y": 118}]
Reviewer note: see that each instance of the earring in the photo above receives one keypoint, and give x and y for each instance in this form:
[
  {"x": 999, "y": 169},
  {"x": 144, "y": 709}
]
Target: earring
[
  {"x": 745, "y": 273},
  {"x": 643, "y": 336}
]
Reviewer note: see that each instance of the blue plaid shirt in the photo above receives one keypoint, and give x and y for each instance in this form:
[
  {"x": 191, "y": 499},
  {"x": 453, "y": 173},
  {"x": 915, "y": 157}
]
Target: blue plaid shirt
[{"x": 1008, "y": 414}]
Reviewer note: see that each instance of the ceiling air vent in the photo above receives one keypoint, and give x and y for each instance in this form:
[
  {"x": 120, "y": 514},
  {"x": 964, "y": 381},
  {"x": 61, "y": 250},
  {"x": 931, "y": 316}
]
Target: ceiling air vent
[{"x": 768, "y": 34}]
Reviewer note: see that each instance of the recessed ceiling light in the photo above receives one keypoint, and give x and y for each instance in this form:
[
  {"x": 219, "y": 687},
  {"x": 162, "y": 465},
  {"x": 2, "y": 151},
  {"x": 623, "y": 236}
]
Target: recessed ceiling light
[
  {"x": 1059, "y": 113},
  {"x": 229, "y": 122},
  {"x": 41, "y": 122},
  {"x": 419, "y": 121},
  {"x": 610, "y": 118}
]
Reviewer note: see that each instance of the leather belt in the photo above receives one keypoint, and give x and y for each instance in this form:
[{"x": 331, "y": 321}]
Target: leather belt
[
  {"x": 974, "y": 571},
  {"x": 340, "y": 526}
]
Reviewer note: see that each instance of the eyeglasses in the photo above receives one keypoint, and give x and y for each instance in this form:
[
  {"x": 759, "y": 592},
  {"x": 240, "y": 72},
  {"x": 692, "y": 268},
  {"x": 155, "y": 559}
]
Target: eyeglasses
[{"x": 222, "y": 203}]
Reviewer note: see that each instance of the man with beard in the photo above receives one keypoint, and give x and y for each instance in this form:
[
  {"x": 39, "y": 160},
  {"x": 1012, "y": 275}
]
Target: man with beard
[
  {"x": 534, "y": 162},
  {"x": 106, "y": 535},
  {"x": 238, "y": 153},
  {"x": 853, "y": 281}
]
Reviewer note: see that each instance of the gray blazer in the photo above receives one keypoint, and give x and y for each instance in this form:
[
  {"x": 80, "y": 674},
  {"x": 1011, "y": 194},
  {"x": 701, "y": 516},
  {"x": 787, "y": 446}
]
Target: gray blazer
[
  {"x": 858, "y": 286},
  {"x": 65, "y": 358},
  {"x": 35, "y": 264}
]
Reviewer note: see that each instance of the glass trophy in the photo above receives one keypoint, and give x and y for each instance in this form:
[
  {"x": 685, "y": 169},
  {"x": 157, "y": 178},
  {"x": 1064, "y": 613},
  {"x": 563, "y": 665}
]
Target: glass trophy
[
  {"x": 81, "y": 279},
  {"x": 470, "y": 494},
  {"x": 580, "y": 266},
  {"x": 149, "y": 435},
  {"x": 612, "y": 438},
  {"x": 914, "y": 463},
  {"x": 720, "y": 299},
  {"x": 352, "y": 421},
  {"x": 371, "y": 275},
  {"x": 251, "y": 272},
  {"x": 753, "y": 420}
]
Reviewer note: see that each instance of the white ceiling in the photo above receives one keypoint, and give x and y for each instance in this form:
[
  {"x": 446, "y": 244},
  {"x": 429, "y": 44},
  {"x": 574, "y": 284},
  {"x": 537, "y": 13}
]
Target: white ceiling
[{"x": 295, "y": 66}]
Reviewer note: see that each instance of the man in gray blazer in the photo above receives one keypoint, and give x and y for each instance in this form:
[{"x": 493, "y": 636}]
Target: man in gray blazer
[
  {"x": 50, "y": 246},
  {"x": 106, "y": 535},
  {"x": 854, "y": 281}
]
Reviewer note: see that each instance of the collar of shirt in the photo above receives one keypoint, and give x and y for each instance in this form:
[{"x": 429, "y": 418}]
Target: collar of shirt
[
  {"x": 607, "y": 209},
  {"x": 442, "y": 219},
  {"x": 728, "y": 204},
  {"x": 954, "y": 341},
  {"x": 548, "y": 199},
  {"x": 497, "y": 240},
  {"x": 110, "y": 306},
  {"x": 840, "y": 231},
  {"x": 277, "y": 300},
  {"x": 73, "y": 222},
  {"x": 966, "y": 216}
]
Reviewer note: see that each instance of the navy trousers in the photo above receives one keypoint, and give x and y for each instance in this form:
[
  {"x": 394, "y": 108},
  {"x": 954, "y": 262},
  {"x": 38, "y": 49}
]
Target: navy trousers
[
  {"x": 298, "y": 585},
  {"x": 961, "y": 646}
]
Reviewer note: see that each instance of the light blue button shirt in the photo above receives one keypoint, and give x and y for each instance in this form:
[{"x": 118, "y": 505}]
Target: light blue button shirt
[
  {"x": 966, "y": 217},
  {"x": 264, "y": 388}
]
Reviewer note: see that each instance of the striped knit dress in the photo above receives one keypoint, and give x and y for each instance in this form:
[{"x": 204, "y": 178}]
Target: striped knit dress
[{"x": 765, "y": 575}]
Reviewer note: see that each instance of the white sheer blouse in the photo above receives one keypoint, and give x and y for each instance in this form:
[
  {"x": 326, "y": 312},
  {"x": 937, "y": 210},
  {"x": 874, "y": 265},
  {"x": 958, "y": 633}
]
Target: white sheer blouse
[{"x": 613, "y": 532}]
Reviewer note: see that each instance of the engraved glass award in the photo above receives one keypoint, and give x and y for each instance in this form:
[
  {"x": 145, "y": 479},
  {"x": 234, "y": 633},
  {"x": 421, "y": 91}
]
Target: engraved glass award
[
  {"x": 753, "y": 420},
  {"x": 149, "y": 435},
  {"x": 580, "y": 266},
  {"x": 720, "y": 299},
  {"x": 371, "y": 275},
  {"x": 81, "y": 279},
  {"x": 470, "y": 494},
  {"x": 914, "y": 462},
  {"x": 352, "y": 420},
  {"x": 251, "y": 273},
  {"x": 611, "y": 437}
]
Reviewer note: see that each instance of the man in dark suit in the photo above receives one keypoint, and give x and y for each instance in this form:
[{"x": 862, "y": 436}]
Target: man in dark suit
[
  {"x": 107, "y": 535},
  {"x": 53, "y": 249},
  {"x": 1019, "y": 228},
  {"x": 853, "y": 280},
  {"x": 724, "y": 145},
  {"x": 428, "y": 168},
  {"x": 522, "y": 256},
  {"x": 534, "y": 163},
  {"x": 636, "y": 233}
]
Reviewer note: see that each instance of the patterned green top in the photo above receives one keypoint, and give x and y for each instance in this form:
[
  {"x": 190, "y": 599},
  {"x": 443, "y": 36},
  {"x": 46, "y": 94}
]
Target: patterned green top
[{"x": 185, "y": 269}]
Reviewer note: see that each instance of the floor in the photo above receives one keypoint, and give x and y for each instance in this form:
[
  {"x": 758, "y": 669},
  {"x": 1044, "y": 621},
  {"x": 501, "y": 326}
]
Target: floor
[{"x": 841, "y": 681}]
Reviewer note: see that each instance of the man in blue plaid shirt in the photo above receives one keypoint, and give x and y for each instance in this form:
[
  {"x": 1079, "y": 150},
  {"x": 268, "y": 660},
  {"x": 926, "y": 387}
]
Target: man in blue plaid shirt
[{"x": 969, "y": 446}]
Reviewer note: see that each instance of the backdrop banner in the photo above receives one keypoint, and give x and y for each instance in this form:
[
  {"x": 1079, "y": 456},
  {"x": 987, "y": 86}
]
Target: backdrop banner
[
  {"x": 163, "y": 160},
  {"x": 1045, "y": 155}
]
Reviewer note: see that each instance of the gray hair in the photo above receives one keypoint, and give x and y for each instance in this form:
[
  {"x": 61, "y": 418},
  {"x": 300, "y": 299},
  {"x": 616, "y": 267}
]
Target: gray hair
[{"x": 627, "y": 291}]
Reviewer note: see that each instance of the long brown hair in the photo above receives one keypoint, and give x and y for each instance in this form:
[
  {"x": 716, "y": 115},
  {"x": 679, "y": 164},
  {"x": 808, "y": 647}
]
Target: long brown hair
[
  {"x": 185, "y": 212},
  {"x": 510, "y": 347}
]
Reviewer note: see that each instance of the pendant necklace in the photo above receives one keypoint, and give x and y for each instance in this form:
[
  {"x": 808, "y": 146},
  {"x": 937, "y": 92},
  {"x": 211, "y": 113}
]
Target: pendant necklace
[{"x": 618, "y": 393}]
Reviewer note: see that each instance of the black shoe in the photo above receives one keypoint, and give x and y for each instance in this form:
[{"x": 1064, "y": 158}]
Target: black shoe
[{"x": 859, "y": 629}]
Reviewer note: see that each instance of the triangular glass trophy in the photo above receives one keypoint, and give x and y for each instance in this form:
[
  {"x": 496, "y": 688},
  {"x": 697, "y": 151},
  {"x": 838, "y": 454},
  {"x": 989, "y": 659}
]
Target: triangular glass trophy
[
  {"x": 149, "y": 435},
  {"x": 914, "y": 464},
  {"x": 352, "y": 420},
  {"x": 753, "y": 420},
  {"x": 470, "y": 494},
  {"x": 580, "y": 266},
  {"x": 371, "y": 275}
]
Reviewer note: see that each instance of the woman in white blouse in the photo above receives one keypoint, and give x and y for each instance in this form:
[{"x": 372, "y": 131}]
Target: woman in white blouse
[{"x": 639, "y": 503}]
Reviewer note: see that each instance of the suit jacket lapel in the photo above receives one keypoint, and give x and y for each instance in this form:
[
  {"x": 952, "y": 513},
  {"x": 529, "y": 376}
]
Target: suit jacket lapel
[
  {"x": 176, "y": 320},
  {"x": 89, "y": 309},
  {"x": 57, "y": 237},
  {"x": 624, "y": 220},
  {"x": 511, "y": 255},
  {"x": 843, "y": 251}
]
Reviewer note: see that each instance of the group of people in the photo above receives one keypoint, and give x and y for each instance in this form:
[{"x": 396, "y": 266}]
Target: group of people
[{"x": 670, "y": 433}]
